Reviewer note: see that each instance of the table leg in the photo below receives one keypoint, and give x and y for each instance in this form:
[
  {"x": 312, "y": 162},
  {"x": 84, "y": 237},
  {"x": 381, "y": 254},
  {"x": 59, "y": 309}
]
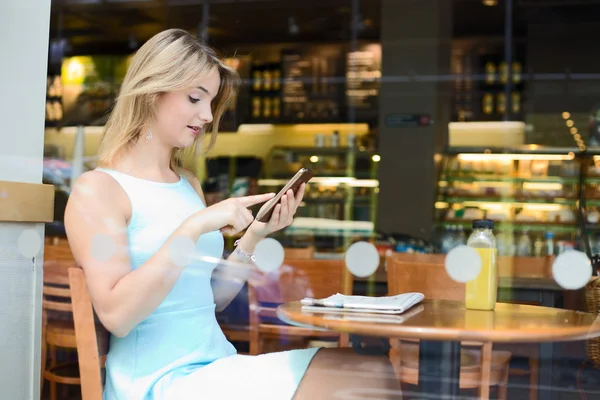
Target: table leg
[
  {"x": 546, "y": 377},
  {"x": 439, "y": 369}
]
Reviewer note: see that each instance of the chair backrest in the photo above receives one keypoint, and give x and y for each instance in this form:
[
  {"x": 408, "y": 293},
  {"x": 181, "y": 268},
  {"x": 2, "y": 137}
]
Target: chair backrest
[
  {"x": 91, "y": 352},
  {"x": 508, "y": 266},
  {"x": 56, "y": 292},
  {"x": 424, "y": 273},
  {"x": 297, "y": 279},
  {"x": 59, "y": 252},
  {"x": 525, "y": 267},
  {"x": 304, "y": 253}
]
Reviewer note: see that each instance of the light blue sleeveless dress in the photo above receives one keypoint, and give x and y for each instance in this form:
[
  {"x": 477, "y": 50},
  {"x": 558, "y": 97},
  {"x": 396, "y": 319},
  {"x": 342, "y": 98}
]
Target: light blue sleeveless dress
[{"x": 179, "y": 352}]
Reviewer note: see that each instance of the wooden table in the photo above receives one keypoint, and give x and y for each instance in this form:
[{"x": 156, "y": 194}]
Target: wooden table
[{"x": 441, "y": 326}]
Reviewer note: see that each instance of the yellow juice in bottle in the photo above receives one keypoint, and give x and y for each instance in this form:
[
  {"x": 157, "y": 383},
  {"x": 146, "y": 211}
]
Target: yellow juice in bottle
[{"x": 481, "y": 292}]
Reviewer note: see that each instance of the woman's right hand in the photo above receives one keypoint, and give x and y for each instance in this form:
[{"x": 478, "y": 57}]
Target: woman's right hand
[{"x": 232, "y": 215}]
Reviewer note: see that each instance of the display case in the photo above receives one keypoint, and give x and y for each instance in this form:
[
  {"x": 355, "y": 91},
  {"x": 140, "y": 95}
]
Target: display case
[
  {"x": 590, "y": 199},
  {"x": 532, "y": 193},
  {"x": 340, "y": 203}
]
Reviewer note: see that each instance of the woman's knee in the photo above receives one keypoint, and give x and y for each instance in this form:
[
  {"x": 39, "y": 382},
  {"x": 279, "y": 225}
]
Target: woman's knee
[{"x": 342, "y": 373}]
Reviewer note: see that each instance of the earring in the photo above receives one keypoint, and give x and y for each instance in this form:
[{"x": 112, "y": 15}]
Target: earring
[{"x": 148, "y": 136}]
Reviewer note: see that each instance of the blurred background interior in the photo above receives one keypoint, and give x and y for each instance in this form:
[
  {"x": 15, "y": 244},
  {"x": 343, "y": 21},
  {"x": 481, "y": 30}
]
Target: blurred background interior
[{"x": 417, "y": 117}]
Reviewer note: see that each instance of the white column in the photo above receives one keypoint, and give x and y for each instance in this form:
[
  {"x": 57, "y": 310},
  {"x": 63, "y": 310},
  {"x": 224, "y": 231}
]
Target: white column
[{"x": 24, "y": 34}]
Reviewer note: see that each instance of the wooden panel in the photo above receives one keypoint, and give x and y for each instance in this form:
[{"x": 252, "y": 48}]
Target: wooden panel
[{"x": 26, "y": 202}]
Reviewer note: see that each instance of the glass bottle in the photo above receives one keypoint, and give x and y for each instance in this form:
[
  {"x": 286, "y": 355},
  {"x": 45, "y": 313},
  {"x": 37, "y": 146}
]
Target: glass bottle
[
  {"x": 490, "y": 73},
  {"x": 501, "y": 103},
  {"x": 524, "y": 246},
  {"x": 538, "y": 247},
  {"x": 549, "y": 250},
  {"x": 488, "y": 103},
  {"x": 482, "y": 292}
]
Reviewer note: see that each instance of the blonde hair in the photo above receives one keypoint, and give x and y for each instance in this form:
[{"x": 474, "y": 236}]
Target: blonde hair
[{"x": 171, "y": 60}]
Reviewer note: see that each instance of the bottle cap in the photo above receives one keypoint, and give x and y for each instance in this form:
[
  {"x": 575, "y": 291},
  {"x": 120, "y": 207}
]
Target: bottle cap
[{"x": 483, "y": 224}]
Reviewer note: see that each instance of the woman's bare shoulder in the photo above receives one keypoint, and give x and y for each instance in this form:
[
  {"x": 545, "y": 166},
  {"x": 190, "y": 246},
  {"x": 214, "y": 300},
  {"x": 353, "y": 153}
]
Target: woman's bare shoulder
[{"x": 96, "y": 187}]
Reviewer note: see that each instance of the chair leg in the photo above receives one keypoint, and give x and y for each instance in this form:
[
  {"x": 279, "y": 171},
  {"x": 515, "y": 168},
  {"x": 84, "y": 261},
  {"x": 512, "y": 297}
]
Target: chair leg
[
  {"x": 53, "y": 395},
  {"x": 344, "y": 340},
  {"x": 486, "y": 371},
  {"x": 255, "y": 341},
  {"x": 503, "y": 386},
  {"x": 396, "y": 358},
  {"x": 534, "y": 374}
]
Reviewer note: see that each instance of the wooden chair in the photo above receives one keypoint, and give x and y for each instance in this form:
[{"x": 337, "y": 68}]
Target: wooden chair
[
  {"x": 299, "y": 253},
  {"x": 241, "y": 333},
  {"x": 57, "y": 327},
  {"x": 515, "y": 267},
  {"x": 58, "y": 252},
  {"x": 480, "y": 366},
  {"x": 91, "y": 338},
  {"x": 294, "y": 280}
]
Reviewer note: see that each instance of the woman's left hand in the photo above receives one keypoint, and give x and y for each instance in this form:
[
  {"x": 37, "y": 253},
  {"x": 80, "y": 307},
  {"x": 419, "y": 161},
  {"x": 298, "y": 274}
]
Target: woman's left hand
[{"x": 283, "y": 214}]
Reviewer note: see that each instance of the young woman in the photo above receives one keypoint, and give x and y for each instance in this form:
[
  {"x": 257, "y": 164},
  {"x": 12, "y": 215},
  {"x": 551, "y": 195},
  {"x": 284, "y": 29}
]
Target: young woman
[{"x": 165, "y": 340}]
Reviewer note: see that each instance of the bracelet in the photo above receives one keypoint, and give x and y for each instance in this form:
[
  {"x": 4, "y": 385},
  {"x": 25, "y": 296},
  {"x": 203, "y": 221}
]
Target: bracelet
[{"x": 244, "y": 255}]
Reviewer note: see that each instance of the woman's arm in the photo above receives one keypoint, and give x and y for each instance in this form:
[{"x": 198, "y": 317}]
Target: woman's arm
[{"x": 97, "y": 211}]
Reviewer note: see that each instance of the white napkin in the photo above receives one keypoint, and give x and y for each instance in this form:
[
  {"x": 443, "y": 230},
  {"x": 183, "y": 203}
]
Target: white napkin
[{"x": 366, "y": 304}]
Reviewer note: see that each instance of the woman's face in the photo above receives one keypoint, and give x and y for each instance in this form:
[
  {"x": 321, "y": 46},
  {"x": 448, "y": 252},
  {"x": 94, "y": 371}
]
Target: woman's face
[{"x": 182, "y": 115}]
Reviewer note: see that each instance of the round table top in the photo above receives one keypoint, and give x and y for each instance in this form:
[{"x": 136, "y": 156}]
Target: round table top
[{"x": 450, "y": 320}]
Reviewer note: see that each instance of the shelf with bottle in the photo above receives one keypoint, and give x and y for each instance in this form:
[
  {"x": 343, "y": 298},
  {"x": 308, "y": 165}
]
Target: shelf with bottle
[
  {"x": 486, "y": 86},
  {"x": 326, "y": 150},
  {"x": 521, "y": 191},
  {"x": 527, "y": 240},
  {"x": 510, "y": 178},
  {"x": 266, "y": 92},
  {"x": 536, "y": 217},
  {"x": 525, "y": 243},
  {"x": 502, "y": 89},
  {"x": 327, "y": 181},
  {"x": 343, "y": 191},
  {"x": 284, "y": 162},
  {"x": 591, "y": 183},
  {"x": 516, "y": 201},
  {"x": 532, "y": 226},
  {"x": 332, "y": 200}
]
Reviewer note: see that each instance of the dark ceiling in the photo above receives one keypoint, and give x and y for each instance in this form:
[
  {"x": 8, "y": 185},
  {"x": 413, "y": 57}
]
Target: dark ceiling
[
  {"x": 120, "y": 26},
  {"x": 117, "y": 26}
]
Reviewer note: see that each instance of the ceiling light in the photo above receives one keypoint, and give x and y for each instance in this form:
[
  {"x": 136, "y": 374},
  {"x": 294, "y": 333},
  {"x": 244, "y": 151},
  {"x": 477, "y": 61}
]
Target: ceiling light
[
  {"x": 574, "y": 130},
  {"x": 566, "y": 115},
  {"x": 293, "y": 28},
  {"x": 376, "y": 158},
  {"x": 490, "y": 3},
  {"x": 577, "y": 136},
  {"x": 570, "y": 123}
]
